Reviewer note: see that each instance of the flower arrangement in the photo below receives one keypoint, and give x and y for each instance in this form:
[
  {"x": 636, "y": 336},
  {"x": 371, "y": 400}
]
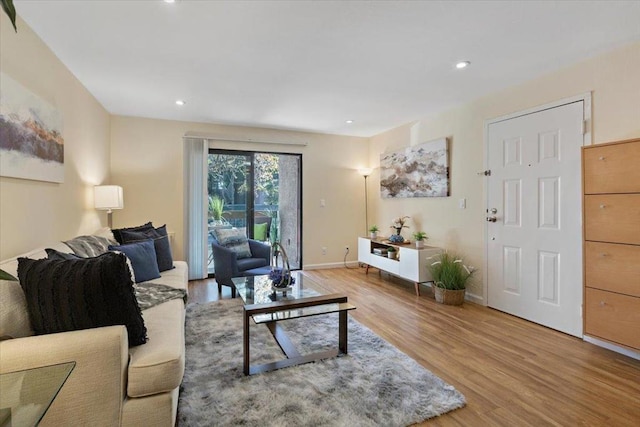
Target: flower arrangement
[
  {"x": 398, "y": 225},
  {"x": 449, "y": 272},
  {"x": 280, "y": 278}
]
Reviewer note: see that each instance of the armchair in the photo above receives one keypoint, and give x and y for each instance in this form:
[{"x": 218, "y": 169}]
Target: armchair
[{"x": 227, "y": 265}]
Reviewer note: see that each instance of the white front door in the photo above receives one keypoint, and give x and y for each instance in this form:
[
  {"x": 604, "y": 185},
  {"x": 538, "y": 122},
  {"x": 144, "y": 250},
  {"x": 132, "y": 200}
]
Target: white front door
[{"x": 534, "y": 247}]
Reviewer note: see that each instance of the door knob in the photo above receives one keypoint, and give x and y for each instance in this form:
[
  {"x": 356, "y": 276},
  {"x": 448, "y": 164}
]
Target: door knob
[
  {"x": 493, "y": 210},
  {"x": 492, "y": 219}
]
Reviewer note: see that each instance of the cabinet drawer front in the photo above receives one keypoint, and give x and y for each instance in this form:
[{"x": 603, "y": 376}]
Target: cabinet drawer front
[
  {"x": 613, "y": 317},
  {"x": 612, "y": 218},
  {"x": 612, "y": 168},
  {"x": 612, "y": 267}
]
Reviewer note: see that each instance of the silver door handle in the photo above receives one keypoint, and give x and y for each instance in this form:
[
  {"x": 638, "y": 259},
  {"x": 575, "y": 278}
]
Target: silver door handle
[{"x": 492, "y": 219}]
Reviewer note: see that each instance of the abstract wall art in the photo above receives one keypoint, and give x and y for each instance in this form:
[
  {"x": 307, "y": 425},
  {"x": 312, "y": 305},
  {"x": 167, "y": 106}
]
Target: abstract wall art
[
  {"x": 31, "y": 143},
  {"x": 418, "y": 171}
]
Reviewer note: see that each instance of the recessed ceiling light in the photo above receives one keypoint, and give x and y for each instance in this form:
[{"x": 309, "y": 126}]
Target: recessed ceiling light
[
  {"x": 180, "y": 102},
  {"x": 462, "y": 64},
  {"x": 348, "y": 121},
  {"x": 169, "y": 1}
]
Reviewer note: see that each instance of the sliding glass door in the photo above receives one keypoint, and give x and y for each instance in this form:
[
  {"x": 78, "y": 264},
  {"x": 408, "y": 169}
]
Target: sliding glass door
[{"x": 259, "y": 192}]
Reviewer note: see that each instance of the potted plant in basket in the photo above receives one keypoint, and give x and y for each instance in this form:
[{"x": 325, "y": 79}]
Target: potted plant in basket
[
  {"x": 420, "y": 237},
  {"x": 450, "y": 277},
  {"x": 373, "y": 231},
  {"x": 391, "y": 252}
]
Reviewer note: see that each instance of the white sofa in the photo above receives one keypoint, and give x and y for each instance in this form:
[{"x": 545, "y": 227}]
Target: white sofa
[{"x": 112, "y": 384}]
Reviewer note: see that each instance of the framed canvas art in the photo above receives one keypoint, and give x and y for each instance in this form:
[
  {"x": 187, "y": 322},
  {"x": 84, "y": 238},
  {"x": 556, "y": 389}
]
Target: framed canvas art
[
  {"x": 418, "y": 171},
  {"x": 31, "y": 143}
]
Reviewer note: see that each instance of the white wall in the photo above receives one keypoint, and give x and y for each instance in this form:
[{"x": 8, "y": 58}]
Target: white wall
[
  {"x": 33, "y": 213},
  {"x": 613, "y": 79},
  {"x": 147, "y": 161}
]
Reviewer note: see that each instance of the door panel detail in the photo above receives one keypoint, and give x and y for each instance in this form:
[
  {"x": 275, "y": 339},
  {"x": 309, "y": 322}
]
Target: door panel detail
[
  {"x": 511, "y": 151},
  {"x": 548, "y": 276},
  {"x": 548, "y": 146},
  {"x": 512, "y": 202},
  {"x": 549, "y": 203},
  {"x": 511, "y": 260}
]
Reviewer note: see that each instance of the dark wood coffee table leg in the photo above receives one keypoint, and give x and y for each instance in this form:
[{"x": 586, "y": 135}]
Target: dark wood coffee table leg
[
  {"x": 245, "y": 341},
  {"x": 342, "y": 332}
]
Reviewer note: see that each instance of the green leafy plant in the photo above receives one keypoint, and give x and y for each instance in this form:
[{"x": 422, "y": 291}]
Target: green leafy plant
[
  {"x": 216, "y": 207},
  {"x": 449, "y": 272},
  {"x": 6, "y": 276},
  {"x": 420, "y": 235},
  {"x": 391, "y": 249},
  {"x": 10, "y": 10},
  {"x": 373, "y": 229}
]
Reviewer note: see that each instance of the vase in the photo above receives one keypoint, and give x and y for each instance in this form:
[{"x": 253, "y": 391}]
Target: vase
[
  {"x": 391, "y": 255},
  {"x": 374, "y": 234},
  {"x": 448, "y": 296},
  {"x": 419, "y": 244}
]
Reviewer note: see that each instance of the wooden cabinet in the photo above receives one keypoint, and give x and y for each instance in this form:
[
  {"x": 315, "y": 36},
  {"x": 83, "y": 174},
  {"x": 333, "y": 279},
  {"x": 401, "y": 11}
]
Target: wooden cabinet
[
  {"x": 611, "y": 183},
  {"x": 411, "y": 263}
]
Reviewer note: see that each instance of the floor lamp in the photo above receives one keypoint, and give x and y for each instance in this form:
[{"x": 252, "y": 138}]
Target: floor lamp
[
  {"x": 107, "y": 198},
  {"x": 365, "y": 172}
]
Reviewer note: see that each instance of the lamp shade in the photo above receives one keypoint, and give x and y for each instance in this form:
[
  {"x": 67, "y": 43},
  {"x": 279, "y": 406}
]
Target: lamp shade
[
  {"x": 108, "y": 197},
  {"x": 365, "y": 171}
]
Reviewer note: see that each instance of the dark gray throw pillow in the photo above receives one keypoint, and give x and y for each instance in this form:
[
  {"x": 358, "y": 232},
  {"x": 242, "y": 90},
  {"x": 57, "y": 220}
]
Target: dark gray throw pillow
[
  {"x": 160, "y": 238},
  {"x": 143, "y": 259},
  {"x": 117, "y": 232},
  {"x": 73, "y": 294}
]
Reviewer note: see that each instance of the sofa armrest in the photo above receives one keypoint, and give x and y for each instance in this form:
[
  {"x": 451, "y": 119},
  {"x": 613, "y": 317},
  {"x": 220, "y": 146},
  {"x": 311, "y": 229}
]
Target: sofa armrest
[
  {"x": 260, "y": 250},
  {"x": 94, "y": 392}
]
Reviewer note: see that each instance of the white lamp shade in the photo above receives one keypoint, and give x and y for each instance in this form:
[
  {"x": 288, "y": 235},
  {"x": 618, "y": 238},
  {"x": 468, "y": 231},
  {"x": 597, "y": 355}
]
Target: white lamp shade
[
  {"x": 365, "y": 171},
  {"x": 108, "y": 197}
]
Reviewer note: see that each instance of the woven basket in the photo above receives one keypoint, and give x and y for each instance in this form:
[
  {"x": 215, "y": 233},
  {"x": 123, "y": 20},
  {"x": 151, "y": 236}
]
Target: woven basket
[{"x": 449, "y": 296}]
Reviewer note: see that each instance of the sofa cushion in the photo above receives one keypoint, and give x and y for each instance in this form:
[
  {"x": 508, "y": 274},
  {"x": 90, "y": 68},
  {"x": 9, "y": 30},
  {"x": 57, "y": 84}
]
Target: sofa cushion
[
  {"x": 143, "y": 259},
  {"x": 67, "y": 295},
  {"x": 158, "y": 365},
  {"x": 89, "y": 246},
  {"x": 117, "y": 232},
  {"x": 160, "y": 241},
  {"x": 234, "y": 239}
]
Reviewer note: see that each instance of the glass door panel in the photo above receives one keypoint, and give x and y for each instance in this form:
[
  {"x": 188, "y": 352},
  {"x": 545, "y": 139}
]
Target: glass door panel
[
  {"x": 228, "y": 183},
  {"x": 260, "y": 192}
]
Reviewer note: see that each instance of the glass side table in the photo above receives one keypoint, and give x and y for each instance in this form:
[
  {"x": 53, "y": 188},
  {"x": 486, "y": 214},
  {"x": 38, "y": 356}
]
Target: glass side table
[{"x": 25, "y": 396}]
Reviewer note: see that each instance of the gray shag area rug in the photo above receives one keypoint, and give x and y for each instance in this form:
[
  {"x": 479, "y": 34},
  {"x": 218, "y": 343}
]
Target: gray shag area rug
[{"x": 374, "y": 385}]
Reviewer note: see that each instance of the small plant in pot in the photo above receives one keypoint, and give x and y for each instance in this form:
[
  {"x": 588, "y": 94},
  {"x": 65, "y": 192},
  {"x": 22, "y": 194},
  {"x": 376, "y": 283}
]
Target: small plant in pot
[
  {"x": 450, "y": 277},
  {"x": 420, "y": 237},
  {"x": 391, "y": 252},
  {"x": 373, "y": 231}
]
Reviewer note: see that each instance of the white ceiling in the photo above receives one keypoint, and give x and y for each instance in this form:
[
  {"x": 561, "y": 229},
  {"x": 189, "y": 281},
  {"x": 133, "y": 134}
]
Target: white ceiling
[{"x": 311, "y": 65}]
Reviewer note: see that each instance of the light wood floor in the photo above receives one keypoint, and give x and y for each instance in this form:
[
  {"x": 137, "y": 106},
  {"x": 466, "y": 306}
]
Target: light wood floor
[{"x": 512, "y": 372}]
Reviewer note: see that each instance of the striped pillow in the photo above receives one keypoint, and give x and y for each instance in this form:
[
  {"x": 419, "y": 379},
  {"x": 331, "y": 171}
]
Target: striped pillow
[{"x": 234, "y": 239}]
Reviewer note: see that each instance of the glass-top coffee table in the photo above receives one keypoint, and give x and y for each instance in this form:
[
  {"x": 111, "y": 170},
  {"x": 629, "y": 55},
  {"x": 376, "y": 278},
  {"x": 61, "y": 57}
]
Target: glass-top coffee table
[
  {"x": 304, "y": 299},
  {"x": 25, "y": 396}
]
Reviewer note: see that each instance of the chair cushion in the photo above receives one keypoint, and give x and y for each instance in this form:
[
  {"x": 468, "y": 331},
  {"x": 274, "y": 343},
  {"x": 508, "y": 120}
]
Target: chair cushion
[
  {"x": 158, "y": 365},
  {"x": 68, "y": 295},
  {"x": 260, "y": 271},
  {"x": 250, "y": 263},
  {"x": 234, "y": 239}
]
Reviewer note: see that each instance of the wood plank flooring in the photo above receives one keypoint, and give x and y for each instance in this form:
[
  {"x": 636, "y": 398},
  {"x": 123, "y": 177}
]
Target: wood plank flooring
[{"x": 512, "y": 372}]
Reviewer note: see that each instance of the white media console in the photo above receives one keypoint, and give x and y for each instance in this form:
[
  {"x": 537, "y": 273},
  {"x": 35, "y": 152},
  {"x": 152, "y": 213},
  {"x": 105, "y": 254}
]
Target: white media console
[{"x": 411, "y": 263}]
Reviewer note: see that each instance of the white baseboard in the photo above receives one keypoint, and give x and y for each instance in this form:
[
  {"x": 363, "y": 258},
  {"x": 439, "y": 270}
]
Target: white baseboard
[
  {"x": 477, "y": 299},
  {"x": 618, "y": 349},
  {"x": 329, "y": 265}
]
